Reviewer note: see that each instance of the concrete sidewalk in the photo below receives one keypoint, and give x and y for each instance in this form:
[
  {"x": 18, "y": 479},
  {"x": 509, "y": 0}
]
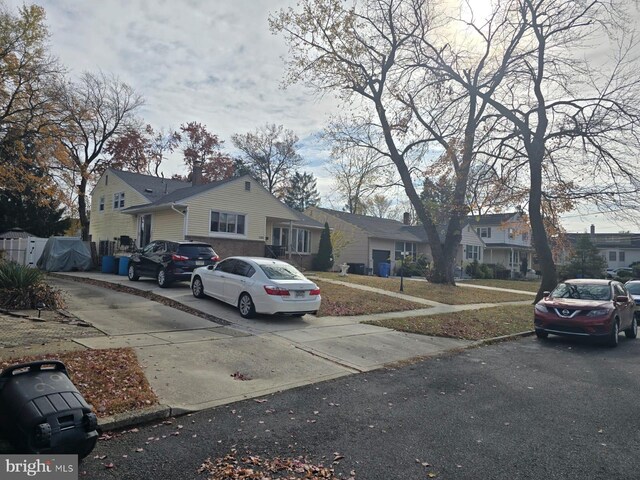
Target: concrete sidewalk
[{"x": 190, "y": 361}]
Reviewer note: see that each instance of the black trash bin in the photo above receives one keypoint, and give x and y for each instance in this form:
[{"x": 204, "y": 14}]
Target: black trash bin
[{"x": 42, "y": 411}]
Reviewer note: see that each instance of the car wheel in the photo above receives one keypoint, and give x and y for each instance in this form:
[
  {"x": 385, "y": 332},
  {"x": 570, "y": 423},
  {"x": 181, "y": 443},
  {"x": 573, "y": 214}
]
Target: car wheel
[
  {"x": 132, "y": 274},
  {"x": 163, "y": 280},
  {"x": 632, "y": 331},
  {"x": 245, "y": 305},
  {"x": 541, "y": 334},
  {"x": 612, "y": 341},
  {"x": 196, "y": 288}
]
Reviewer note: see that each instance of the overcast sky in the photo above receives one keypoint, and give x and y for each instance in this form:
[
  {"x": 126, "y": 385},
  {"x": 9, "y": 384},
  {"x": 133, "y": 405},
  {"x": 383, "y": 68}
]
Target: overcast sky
[{"x": 214, "y": 62}]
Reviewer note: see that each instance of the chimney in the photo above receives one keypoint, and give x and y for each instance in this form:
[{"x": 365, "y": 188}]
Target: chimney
[
  {"x": 406, "y": 218},
  {"x": 593, "y": 230},
  {"x": 196, "y": 174}
]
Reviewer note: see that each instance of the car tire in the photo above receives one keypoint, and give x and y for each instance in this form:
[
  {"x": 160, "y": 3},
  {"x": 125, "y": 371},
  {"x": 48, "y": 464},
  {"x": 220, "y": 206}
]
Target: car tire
[
  {"x": 541, "y": 334},
  {"x": 197, "y": 288},
  {"x": 612, "y": 341},
  {"x": 163, "y": 281},
  {"x": 132, "y": 274},
  {"x": 245, "y": 306},
  {"x": 632, "y": 331}
]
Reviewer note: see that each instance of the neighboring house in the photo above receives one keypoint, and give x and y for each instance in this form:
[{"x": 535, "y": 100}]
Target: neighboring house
[
  {"x": 237, "y": 216},
  {"x": 370, "y": 241},
  {"x": 507, "y": 239},
  {"x": 618, "y": 249}
]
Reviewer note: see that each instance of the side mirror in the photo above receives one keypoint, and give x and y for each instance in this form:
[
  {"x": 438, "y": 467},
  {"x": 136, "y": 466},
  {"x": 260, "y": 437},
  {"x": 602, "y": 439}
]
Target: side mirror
[
  {"x": 210, "y": 267},
  {"x": 621, "y": 299},
  {"x": 546, "y": 293}
]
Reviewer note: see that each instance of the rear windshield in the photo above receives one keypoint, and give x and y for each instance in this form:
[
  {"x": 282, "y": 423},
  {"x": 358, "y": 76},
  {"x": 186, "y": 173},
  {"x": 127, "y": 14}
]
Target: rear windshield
[
  {"x": 281, "y": 272},
  {"x": 196, "y": 250},
  {"x": 582, "y": 291}
]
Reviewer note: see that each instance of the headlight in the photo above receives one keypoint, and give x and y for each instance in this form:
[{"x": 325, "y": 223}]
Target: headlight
[
  {"x": 598, "y": 313},
  {"x": 541, "y": 308}
]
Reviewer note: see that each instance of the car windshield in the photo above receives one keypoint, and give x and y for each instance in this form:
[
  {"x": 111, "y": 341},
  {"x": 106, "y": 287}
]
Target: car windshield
[
  {"x": 634, "y": 288},
  {"x": 281, "y": 272},
  {"x": 583, "y": 291},
  {"x": 196, "y": 250}
]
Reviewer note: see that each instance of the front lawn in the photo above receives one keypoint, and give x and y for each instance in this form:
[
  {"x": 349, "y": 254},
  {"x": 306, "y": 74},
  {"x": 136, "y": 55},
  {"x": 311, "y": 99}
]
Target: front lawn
[
  {"x": 467, "y": 325},
  {"x": 430, "y": 291},
  {"x": 526, "y": 285},
  {"x": 338, "y": 300}
]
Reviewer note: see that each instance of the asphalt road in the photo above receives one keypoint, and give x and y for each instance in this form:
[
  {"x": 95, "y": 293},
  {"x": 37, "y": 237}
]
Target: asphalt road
[{"x": 527, "y": 409}]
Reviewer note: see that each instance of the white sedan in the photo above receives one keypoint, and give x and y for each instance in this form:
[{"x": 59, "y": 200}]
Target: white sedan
[{"x": 257, "y": 285}]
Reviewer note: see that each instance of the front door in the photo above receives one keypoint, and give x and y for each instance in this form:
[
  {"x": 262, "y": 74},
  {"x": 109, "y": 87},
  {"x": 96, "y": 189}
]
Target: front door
[
  {"x": 380, "y": 256},
  {"x": 145, "y": 230}
]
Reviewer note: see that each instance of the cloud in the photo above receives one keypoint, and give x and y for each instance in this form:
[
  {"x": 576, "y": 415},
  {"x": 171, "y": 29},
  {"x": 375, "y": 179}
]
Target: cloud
[{"x": 214, "y": 62}]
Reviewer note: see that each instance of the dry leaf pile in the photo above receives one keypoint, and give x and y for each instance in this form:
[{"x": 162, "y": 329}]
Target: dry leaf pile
[{"x": 253, "y": 467}]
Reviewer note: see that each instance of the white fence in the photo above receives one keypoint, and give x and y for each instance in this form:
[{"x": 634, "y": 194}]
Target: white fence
[{"x": 24, "y": 251}]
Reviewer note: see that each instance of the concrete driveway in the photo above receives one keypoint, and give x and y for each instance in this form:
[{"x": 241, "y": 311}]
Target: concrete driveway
[{"x": 193, "y": 363}]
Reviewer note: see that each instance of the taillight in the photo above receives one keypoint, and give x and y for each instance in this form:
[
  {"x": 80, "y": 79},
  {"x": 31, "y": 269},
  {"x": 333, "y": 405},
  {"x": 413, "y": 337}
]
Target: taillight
[
  {"x": 283, "y": 292},
  {"x": 179, "y": 258},
  {"x": 315, "y": 291},
  {"x": 215, "y": 258}
]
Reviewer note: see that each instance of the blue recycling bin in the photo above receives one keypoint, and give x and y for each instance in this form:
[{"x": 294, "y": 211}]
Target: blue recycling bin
[
  {"x": 123, "y": 266},
  {"x": 108, "y": 262},
  {"x": 384, "y": 269}
]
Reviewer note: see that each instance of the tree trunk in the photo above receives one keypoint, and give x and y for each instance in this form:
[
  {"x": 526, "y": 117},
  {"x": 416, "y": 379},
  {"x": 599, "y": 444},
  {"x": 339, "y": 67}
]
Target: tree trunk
[
  {"x": 538, "y": 232},
  {"x": 82, "y": 208}
]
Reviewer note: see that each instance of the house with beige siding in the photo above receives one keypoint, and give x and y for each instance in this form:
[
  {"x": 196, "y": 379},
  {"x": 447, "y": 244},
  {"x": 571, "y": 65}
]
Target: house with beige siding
[
  {"x": 507, "y": 238},
  {"x": 237, "y": 216},
  {"x": 369, "y": 241}
]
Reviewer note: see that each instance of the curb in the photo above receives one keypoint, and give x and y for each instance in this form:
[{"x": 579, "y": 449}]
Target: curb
[
  {"x": 504, "y": 338},
  {"x": 138, "y": 417}
]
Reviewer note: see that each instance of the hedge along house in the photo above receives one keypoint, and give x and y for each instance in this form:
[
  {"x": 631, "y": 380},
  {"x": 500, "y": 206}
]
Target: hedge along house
[{"x": 237, "y": 216}]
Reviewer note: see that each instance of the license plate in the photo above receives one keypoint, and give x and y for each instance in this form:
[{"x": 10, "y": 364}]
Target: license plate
[
  {"x": 199, "y": 262},
  {"x": 300, "y": 293}
]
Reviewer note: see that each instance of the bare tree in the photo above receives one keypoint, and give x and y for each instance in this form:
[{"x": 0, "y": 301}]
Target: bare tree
[
  {"x": 92, "y": 111},
  {"x": 357, "y": 173},
  {"x": 380, "y": 206},
  {"x": 573, "y": 115},
  {"x": 374, "y": 53},
  {"x": 270, "y": 154}
]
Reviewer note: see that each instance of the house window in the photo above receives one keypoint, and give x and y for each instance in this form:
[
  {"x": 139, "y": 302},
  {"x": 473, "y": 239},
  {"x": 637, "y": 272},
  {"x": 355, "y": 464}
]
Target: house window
[
  {"x": 406, "y": 247},
  {"x": 473, "y": 252},
  {"x": 280, "y": 237},
  {"x": 621, "y": 257},
  {"x": 118, "y": 200},
  {"x": 514, "y": 258},
  {"x": 612, "y": 256},
  {"x": 227, "y": 222},
  {"x": 484, "y": 232},
  {"x": 525, "y": 237},
  {"x": 247, "y": 186},
  {"x": 511, "y": 233},
  {"x": 300, "y": 240},
  {"x": 101, "y": 205}
]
